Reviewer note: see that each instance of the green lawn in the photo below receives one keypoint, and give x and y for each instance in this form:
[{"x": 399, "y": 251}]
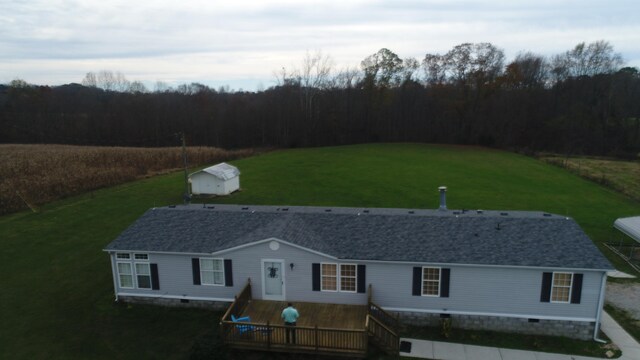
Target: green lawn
[{"x": 57, "y": 291}]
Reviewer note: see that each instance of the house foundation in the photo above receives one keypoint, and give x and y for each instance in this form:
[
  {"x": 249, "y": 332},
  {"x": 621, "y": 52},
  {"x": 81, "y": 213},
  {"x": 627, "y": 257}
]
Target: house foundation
[
  {"x": 202, "y": 304},
  {"x": 580, "y": 330}
]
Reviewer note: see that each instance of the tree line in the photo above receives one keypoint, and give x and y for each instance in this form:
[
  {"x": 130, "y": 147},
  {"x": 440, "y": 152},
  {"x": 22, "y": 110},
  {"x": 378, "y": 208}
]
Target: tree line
[{"x": 582, "y": 101}]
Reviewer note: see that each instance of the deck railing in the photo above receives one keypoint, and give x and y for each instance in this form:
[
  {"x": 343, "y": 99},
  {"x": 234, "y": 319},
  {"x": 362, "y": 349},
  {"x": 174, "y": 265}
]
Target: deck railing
[
  {"x": 307, "y": 339},
  {"x": 382, "y": 326},
  {"x": 239, "y": 303}
]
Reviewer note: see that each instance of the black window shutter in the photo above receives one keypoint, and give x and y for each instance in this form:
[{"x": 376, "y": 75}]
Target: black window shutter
[
  {"x": 417, "y": 281},
  {"x": 228, "y": 273},
  {"x": 362, "y": 278},
  {"x": 315, "y": 276},
  {"x": 195, "y": 266},
  {"x": 545, "y": 292},
  {"x": 444, "y": 282},
  {"x": 155, "y": 281},
  {"x": 576, "y": 289}
]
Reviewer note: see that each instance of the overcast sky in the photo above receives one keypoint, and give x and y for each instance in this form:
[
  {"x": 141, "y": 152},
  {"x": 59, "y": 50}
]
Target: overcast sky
[{"x": 242, "y": 43}]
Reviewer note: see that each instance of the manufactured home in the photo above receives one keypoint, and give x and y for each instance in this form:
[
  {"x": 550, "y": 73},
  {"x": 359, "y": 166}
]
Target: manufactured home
[{"x": 516, "y": 271}]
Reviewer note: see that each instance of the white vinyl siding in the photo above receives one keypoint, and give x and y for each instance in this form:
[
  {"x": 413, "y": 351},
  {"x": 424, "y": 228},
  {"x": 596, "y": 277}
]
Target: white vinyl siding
[
  {"x": 211, "y": 271},
  {"x": 561, "y": 287},
  {"x": 430, "y": 281}
]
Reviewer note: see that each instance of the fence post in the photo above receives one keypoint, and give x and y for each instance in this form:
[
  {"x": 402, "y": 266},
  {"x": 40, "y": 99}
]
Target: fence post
[
  {"x": 268, "y": 335},
  {"x": 316, "y": 336}
]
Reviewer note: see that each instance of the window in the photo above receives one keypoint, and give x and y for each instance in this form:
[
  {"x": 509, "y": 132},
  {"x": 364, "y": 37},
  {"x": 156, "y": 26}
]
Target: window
[
  {"x": 134, "y": 273},
  {"x": 212, "y": 271},
  {"x": 125, "y": 275},
  {"x": 561, "y": 287},
  {"x": 348, "y": 277},
  {"x": 329, "y": 277},
  {"x": 143, "y": 275},
  {"x": 430, "y": 281}
]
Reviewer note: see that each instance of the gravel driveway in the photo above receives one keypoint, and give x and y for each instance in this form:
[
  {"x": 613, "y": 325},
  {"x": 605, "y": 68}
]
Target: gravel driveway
[{"x": 625, "y": 296}]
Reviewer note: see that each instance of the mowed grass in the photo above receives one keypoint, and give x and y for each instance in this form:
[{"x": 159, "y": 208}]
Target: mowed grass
[{"x": 57, "y": 289}]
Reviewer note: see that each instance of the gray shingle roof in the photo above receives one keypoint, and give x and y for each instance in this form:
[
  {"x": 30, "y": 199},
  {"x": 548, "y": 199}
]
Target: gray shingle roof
[
  {"x": 222, "y": 171},
  {"x": 425, "y": 236}
]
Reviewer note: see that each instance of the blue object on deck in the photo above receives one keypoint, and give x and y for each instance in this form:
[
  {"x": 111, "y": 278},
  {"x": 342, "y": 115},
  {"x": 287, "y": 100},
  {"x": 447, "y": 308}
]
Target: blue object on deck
[{"x": 242, "y": 328}]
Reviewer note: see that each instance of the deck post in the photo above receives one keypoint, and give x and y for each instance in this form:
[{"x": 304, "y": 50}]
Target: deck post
[
  {"x": 268, "y": 335},
  {"x": 316, "y": 335}
]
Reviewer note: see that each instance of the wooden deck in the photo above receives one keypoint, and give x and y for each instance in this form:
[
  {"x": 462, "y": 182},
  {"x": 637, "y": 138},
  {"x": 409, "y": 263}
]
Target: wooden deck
[
  {"x": 335, "y": 316},
  {"x": 326, "y": 329}
]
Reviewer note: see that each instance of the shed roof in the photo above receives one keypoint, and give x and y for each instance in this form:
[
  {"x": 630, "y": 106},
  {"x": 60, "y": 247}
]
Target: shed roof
[
  {"x": 513, "y": 238},
  {"x": 222, "y": 171},
  {"x": 629, "y": 226}
]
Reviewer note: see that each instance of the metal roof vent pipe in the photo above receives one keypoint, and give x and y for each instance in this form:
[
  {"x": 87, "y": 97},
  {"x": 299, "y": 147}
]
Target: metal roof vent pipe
[{"x": 443, "y": 198}]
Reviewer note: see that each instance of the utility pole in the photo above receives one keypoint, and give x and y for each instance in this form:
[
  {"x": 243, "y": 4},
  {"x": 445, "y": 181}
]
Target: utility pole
[{"x": 186, "y": 196}]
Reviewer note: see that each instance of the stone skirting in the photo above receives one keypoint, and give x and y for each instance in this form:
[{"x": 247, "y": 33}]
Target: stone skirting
[
  {"x": 572, "y": 329},
  {"x": 203, "y": 304}
]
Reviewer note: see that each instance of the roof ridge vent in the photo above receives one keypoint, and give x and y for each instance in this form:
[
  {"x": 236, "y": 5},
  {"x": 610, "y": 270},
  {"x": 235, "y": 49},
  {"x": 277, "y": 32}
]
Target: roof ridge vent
[
  {"x": 504, "y": 213},
  {"x": 479, "y": 211},
  {"x": 327, "y": 210},
  {"x": 245, "y": 208},
  {"x": 546, "y": 214}
]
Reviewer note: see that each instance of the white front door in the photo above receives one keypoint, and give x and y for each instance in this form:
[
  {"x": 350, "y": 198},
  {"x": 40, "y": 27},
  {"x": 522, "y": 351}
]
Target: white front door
[{"x": 272, "y": 279}]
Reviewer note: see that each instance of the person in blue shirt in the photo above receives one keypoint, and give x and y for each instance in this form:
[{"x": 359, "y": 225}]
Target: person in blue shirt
[{"x": 290, "y": 316}]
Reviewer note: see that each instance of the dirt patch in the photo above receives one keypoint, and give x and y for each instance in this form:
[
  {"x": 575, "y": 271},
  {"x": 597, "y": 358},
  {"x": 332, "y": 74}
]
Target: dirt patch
[{"x": 625, "y": 296}]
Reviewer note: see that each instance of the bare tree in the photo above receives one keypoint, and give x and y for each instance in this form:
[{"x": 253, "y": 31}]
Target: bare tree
[
  {"x": 90, "y": 80},
  {"x": 527, "y": 70},
  {"x": 383, "y": 67},
  {"x": 586, "y": 60},
  {"x": 137, "y": 87},
  {"x": 435, "y": 69}
]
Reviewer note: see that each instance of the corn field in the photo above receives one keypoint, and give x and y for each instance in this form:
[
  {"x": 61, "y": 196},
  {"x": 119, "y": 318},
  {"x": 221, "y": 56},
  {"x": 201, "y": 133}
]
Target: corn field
[{"x": 38, "y": 174}]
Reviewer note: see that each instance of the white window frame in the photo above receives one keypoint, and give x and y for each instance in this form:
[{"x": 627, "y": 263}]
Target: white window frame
[
  {"x": 143, "y": 257},
  {"x": 422, "y": 280},
  {"x": 553, "y": 278},
  {"x": 135, "y": 270},
  {"x": 323, "y": 276},
  {"x": 339, "y": 278},
  {"x": 213, "y": 271},
  {"x": 355, "y": 278},
  {"x": 127, "y": 258},
  {"x": 132, "y": 274}
]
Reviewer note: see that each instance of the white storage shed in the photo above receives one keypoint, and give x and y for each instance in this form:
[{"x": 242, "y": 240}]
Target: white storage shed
[{"x": 221, "y": 179}]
